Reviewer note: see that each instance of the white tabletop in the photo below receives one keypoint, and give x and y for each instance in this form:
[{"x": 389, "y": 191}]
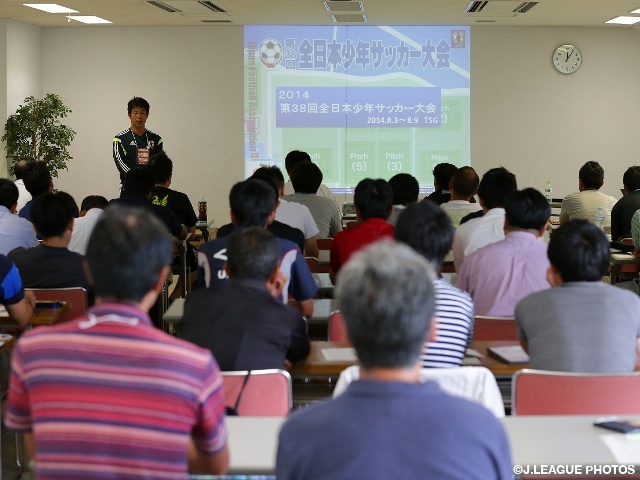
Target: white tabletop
[
  {"x": 253, "y": 442},
  {"x": 175, "y": 311}
]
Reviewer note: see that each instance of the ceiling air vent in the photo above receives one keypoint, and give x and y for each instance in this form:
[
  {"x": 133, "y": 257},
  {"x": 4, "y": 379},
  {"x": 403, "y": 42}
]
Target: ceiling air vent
[
  {"x": 343, "y": 6},
  {"x": 349, "y": 18},
  {"x": 213, "y": 7},
  {"x": 525, "y": 7},
  {"x": 164, "y": 6},
  {"x": 215, "y": 21},
  {"x": 475, "y": 7}
]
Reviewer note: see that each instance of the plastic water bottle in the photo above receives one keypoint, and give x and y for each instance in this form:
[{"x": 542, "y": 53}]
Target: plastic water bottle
[
  {"x": 599, "y": 218},
  {"x": 202, "y": 210},
  {"x": 547, "y": 191}
]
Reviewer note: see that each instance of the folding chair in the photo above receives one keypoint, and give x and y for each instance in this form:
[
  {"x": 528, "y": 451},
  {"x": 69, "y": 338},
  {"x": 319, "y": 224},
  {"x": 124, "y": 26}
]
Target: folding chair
[
  {"x": 264, "y": 393},
  {"x": 494, "y": 328},
  {"x": 76, "y": 296},
  {"x": 337, "y": 328}
]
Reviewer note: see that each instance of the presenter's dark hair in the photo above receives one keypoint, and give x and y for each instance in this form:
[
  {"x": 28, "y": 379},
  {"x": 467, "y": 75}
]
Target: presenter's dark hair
[
  {"x": 126, "y": 253},
  {"x": 579, "y": 250},
  {"x": 293, "y": 158},
  {"x": 405, "y": 189},
  {"x": 465, "y": 181},
  {"x": 37, "y": 178},
  {"x": 442, "y": 174},
  {"x": 630, "y": 179},
  {"x": 139, "y": 181},
  {"x": 306, "y": 177},
  {"x": 373, "y": 198},
  {"x": 252, "y": 201},
  {"x": 427, "y": 229},
  {"x": 161, "y": 167},
  {"x": 495, "y": 185},
  {"x": 592, "y": 175},
  {"x": 94, "y": 201},
  {"x": 51, "y": 213},
  {"x": 386, "y": 295},
  {"x": 137, "y": 102},
  {"x": 252, "y": 253},
  {"x": 8, "y": 193},
  {"x": 527, "y": 209}
]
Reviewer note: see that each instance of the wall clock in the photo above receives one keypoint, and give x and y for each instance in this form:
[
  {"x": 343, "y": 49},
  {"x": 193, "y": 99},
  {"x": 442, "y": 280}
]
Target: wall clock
[{"x": 567, "y": 58}]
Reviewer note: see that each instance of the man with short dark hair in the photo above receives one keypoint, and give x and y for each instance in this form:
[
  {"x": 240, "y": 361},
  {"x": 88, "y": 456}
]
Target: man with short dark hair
[
  {"x": 253, "y": 204},
  {"x": 135, "y": 145},
  {"x": 405, "y": 190},
  {"x": 292, "y": 159},
  {"x": 622, "y": 212},
  {"x": 51, "y": 264},
  {"x": 584, "y": 204},
  {"x": 37, "y": 181},
  {"x": 388, "y": 424},
  {"x": 18, "y": 170},
  {"x": 242, "y": 322},
  {"x": 427, "y": 229},
  {"x": 90, "y": 212},
  {"x": 306, "y": 178},
  {"x": 15, "y": 232},
  {"x": 463, "y": 186},
  {"x": 442, "y": 174},
  {"x": 581, "y": 324},
  {"x": 494, "y": 187},
  {"x": 108, "y": 392},
  {"x": 373, "y": 200},
  {"x": 501, "y": 274}
]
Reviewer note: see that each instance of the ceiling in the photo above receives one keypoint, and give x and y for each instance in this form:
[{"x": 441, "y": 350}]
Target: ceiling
[{"x": 131, "y": 13}]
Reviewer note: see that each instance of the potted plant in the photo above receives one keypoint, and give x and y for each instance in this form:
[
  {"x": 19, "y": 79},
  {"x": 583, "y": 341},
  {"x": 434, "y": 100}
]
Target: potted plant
[{"x": 35, "y": 131}]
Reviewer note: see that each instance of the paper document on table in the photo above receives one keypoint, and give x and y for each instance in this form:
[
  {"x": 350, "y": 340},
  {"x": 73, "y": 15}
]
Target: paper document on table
[
  {"x": 470, "y": 361},
  {"x": 3, "y": 311},
  {"x": 624, "y": 448},
  {"x": 339, "y": 354}
]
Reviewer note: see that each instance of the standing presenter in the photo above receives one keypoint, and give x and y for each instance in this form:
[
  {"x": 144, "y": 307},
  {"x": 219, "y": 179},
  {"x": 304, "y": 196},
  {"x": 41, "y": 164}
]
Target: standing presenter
[{"x": 135, "y": 145}]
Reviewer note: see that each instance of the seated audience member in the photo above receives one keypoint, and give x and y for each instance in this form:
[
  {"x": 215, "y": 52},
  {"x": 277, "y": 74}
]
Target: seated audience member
[
  {"x": 253, "y": 204},
  {"x": 584, "y": 203},
  {"x": 18, "y": 170},
  {"x": 501, "y": 274},
  {"x": 51, "y": 264},
  {"x": 242, "y": 322},
  {"x": 581, "y": 324},
  {"x": 18, "y": 303},
  {"x": 623, "y": 210},
  {"x": 373, "y": 200},
  {"x": 405, "y": 190},
  {"x": 37, "y": 181},
  {"x": 90, "y": 212},
  {"x": 442, "y": 174},
  {"x": 138, "y": 184},
  {"x": 292, "y": 159},
  {"x": 123, "y": 399},
  {"x": 293, "y": 214},
  {"x": 306, "y": 178},
  {"x": 463, "y": 186},
  {"x": 635, "y": 233},
  {"x": 427, "y": 229},
  {"x": 15, "y": 232},
  {"x": 494, "y": 187},
  {"x": 388, "y": 424}
]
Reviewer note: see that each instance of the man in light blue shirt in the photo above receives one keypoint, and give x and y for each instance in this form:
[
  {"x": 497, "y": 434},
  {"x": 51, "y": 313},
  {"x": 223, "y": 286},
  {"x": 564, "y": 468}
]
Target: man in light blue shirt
[{"x": 14, "y": 231}]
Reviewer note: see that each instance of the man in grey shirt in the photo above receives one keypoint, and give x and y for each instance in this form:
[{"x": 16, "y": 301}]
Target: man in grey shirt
[{"x": 581, "y": 324}]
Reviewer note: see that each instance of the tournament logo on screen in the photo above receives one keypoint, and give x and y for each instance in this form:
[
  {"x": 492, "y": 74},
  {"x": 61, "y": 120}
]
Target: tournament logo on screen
[{"x": 270, "y": 53}]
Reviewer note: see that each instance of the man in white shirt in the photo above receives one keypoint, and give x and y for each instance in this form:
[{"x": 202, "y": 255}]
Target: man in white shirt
[
  {"x": 584, "y": 204},
  {"x": 463, "y": 186},
  {"x": 494, "y": 187},
  {"x": 90, "y": 212},
  {"x": 23, "y": 194}
]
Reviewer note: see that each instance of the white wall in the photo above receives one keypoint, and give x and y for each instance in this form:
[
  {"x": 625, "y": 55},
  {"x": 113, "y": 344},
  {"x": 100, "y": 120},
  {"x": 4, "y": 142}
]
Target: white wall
[{"x": 525, "y": 115}]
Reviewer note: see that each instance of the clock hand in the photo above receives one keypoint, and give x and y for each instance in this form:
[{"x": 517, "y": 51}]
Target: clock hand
[{"x": 568, "y": 55}]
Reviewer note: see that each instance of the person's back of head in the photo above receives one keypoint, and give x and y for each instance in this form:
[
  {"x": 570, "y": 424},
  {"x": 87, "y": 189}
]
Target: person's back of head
[
  {"x": 631, "y": 179},
  {"x": 139, "y": 181},
  {"x": 293, "y": 158},
  {"x": 373, "y": 198},
  {"x": 386, "y": 295},
  {"x": 137, "y": 102},
  {"x": 592, "y": 175},
  {"x": 579, "y": 251},
  {"x": 93, "y": 201},
  {"x": 52, "y": 212},
  {"x": 527, "y": 209},
  {"x": 306, "y": 177},
  {"x": 126, "y": 253},
  {"x": 442, "y": 174},
  {"x": 427, "y": 229},
  {"x": 252, "y": 202},
  {"x": 495, "y": 185},
  {"x": 405, "y": 189},
  {"x": 270, "y": 174},
  {"x": 37, "y": 178},
  {"x": 252, "y": 253},
  {"x": 8, "y": 193},
  {"x": 465, "y": 182},
  {"x": 161, "y": 167},
  {"x": 19, "y": 167}
]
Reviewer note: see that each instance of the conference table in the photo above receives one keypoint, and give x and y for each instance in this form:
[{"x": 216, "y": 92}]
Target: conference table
[
  {"x": 537, "y": 442},
  {"x": 40, "y": 315}
]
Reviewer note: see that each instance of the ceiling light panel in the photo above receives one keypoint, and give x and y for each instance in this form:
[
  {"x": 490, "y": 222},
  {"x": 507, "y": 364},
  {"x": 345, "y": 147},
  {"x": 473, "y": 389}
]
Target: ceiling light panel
[
  {"x": 624, "y": 20},
  {"x": 50, "y": 7},
  {"x": 88, "y": 19}
]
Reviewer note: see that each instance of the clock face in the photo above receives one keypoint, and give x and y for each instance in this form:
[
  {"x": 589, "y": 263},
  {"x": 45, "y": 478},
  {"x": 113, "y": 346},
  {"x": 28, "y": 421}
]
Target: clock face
[{"x": 567, "y": 58}]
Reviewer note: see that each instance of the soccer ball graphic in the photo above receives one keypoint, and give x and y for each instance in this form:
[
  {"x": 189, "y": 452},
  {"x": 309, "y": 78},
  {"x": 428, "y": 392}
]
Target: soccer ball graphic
[{"x": 270, "y": 53}]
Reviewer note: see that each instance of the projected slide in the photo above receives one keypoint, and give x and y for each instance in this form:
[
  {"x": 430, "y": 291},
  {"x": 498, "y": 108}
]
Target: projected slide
[{"x": 362, "y": 101}]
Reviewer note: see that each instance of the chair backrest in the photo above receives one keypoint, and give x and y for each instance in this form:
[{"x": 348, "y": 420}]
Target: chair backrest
[
  {"x": 351, "y": 225},
  {"x": 267, "y": 393},
  {"x": 338, "y": 328},
  {"x": 494, "y": 328},
  {"x": 76, "y": 296},
  {"x": 312, "y": 262},
  {"x": 539, "y": 392},
  {"x": 324, "y": 243}
]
